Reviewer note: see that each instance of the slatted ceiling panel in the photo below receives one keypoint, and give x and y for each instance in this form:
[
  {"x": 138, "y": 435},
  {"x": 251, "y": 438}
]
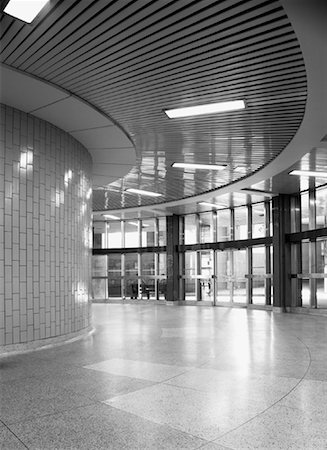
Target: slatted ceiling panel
[
  {"x": 91, "y": 35},
  {"x": 133, "y": 58}
]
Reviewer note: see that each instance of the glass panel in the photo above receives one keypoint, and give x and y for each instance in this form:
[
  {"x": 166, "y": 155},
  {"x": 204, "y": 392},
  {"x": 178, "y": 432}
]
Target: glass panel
[
  {"x": 99, "y": 235},
  {"x": 163, "y": 273},
  {"x": 99, "y": 265},
  {"x": 305, "y": 211},
  {"x": 321, "y": 248},
  {"x": 132, "y": 234},
  {"x": 148, "y": 233},
  {"x": 239, "y": 272},
  {"x": 114, "y": 234},
  {"x": 258, "y": 220},
  {"x": 131, "y": 275},
  {"x": 206, "y": 227},
  {"x": 206, "y": 267},
  {"x": 224, "y": 225},
  {"x": 114, "y": 275},
  {"x": 259, "y": 269},
  {"x": 190, "y": 271},
  {"x": 305, "y": 292},
  {"x": 99, "y": 286},
  {"x": 224, "y": 271},
  {"x": 162, "y": 231},
  {"x": 190, "y": 235},
  {"x": 148, "y": 273},
  {"x": 241, "y": 223},
  {"x": 321, "y": 207}
]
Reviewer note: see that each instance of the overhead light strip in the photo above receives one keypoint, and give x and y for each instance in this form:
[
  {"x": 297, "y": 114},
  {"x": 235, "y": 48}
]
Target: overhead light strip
[
  {"x": 142, "y": 192},
  {"x": 25, "y": 10},
  {"x": 109, "y": 216},
  {"x": 211, "y": 108},
  {"x": 308, "y": 173},
  {"x": 212, "y": 205},
  {"x": 198, "y": 166}
]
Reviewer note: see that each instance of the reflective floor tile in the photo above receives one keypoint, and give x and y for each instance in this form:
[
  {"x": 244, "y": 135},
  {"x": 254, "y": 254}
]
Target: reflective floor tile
[
  {"x": 279, "y": 428},
  {"x": 31, "y": 397},
  {"x": 138, "y": 369},
  {"x": 8, "y": 441},
  {"x": 201, "y": 414},
  {"x": 310, "y": 396},
  {"x": 100, "y": 427},
  {"x": 245, "y": 390}
]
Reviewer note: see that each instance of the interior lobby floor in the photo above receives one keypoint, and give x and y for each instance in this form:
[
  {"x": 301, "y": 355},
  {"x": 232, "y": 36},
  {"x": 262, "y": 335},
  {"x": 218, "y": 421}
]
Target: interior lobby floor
[{"x": 166, "y": 377}]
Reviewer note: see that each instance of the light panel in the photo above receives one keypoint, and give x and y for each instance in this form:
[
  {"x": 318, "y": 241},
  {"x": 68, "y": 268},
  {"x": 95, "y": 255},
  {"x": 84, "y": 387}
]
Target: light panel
[
  {"x": 308, "y": 173},
  {"x": 211, "y": 108},
  {"x": 142, "y": 192},
  {"x": 25, "y": 10},
  {"x": 109, "y": 216},
  {"x": 198, "y": 166},
  {"x": 212, "y": 205}
]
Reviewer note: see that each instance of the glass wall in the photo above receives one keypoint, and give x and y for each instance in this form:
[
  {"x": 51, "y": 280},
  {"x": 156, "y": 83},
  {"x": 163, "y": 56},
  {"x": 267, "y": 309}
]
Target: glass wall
[{"x": 213, "y": 267}]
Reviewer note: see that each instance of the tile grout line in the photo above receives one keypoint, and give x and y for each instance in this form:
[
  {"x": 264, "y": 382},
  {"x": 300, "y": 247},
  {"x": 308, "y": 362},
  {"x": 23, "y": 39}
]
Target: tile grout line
[
  {"x": 277, "y": 401},
  {"x": 5, "y": 425}
]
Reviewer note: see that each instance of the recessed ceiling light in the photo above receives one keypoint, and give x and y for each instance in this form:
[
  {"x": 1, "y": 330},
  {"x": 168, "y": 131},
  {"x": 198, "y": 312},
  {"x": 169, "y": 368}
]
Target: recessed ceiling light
[
  {"x": 309, "y": 173},
  {"x": 142, "y": 192},
  {"x": 25, "y": 10},
  {"x": 240, "y": 169},
  {"x": 211, "y": 108},
  {"x": 198, "y": 166},
  {"x": 212, "y": 205},
  {"x": 109, "y": 216}
]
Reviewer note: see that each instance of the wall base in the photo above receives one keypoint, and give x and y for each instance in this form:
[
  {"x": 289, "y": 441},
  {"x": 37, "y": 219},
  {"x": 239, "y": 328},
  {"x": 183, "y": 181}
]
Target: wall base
[{"x": 14, "y": 349}]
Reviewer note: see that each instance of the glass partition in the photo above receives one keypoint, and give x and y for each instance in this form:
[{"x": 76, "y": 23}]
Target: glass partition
[
  {"x": 321, "y": 207},
  {"x": 224, "y": 227},
  {"x": 99, "y": 277},
  {"x": 190, "y": 229},
  {"x": 114, "y": 275},
  {"x": 132, "y": 233},
  {"x": 114, "y": 235},
  {"x": 206, "y": 227},
  {"x": 258, "y": 220},
  {"x": 148, "y": 233},
  {"x": 241, "y": 223},
  {"x": 321, "y": 282}
]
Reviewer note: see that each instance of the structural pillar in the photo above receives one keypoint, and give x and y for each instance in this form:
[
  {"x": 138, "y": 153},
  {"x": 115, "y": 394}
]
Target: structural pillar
[
  {"x": 281, "y": 211},
  {"x": 173, "y": 270}
]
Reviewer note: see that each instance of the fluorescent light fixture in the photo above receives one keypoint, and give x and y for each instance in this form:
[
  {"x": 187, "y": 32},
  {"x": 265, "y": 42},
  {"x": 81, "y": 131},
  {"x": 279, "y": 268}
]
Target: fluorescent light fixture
[
  {"x": 212, "y": 205},
  {"x": 258, "y": 192},
  {"x": 211, "y": 108},
  {"x": 109, "y": 216},
  {"x": 309, "y": 173},
  {"x": 142, "y": 192},
  {"x": 25, "y": 10},
  {"x": 134, "y": 223},
  {"x": 240, "y": 169},
  {"x": 198, "y": 166}
]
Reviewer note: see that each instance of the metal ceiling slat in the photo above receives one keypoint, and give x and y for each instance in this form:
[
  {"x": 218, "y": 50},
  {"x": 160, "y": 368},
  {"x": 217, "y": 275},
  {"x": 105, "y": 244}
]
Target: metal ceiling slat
[
  {"x": 20, "y": 44},
  {"x": 257, "y": 53},
  {"x": 210, "y": 89},
  {"x": 153, "y": 86},
  {"x": 233, "y": 74},
  {"x": 77, "y": 35},
  {"x": 103, "y": 52},
  {"x": 234, "y": 43},
  {"x": 88, "y": 37}
]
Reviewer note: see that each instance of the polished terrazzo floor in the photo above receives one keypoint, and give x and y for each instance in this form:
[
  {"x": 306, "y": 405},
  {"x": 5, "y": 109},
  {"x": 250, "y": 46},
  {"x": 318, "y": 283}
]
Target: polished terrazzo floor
[{"x": 165, "y": 377}]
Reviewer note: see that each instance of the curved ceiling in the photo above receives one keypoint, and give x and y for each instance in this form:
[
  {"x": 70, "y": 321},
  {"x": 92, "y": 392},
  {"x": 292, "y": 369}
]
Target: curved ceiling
[{"x": 132, "y": 59}]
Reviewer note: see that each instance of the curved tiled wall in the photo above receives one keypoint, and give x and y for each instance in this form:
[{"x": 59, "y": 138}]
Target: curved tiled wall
[{"x": 45, "y": 232}]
